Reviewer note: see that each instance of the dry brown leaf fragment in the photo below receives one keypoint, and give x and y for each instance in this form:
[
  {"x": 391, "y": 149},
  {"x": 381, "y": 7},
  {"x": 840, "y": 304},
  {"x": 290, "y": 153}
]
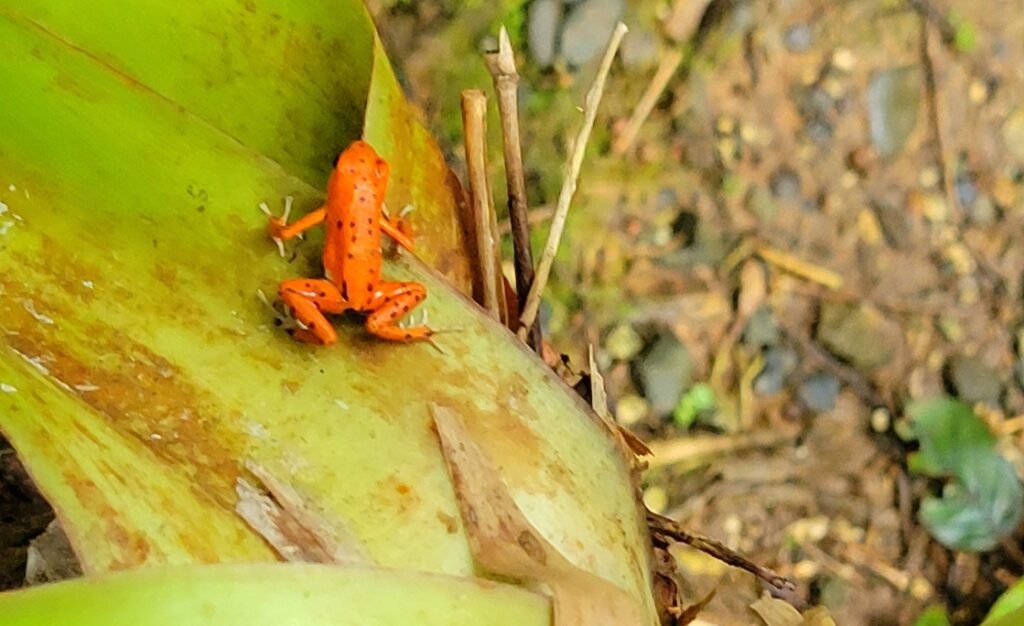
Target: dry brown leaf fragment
[
  {"x": 286, "y": 522},
  {"x": 775, "y": 612},
  {"x": 504, "y": 542}
]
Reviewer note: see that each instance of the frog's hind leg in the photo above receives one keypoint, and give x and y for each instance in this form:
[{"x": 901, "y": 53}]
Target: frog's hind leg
[
  {"x": 395, "y": 301},
  {"x": 308, "y": 299}
]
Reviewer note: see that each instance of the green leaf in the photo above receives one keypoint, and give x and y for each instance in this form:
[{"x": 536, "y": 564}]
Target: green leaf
[
  {"x": 1011, "y": 600},
  {"x": 932, "y": 616},
  {"x": 976, "y": 514},
  {"x": 951, "y": 435},
  {"x": 272, "y": 595},
  {"x": 139, "y": 369},
  {"x": 698, "y": 399}
]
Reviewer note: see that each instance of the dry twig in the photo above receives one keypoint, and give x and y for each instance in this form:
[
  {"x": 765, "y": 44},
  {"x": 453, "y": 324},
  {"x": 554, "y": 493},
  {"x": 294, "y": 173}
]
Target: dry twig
[
  {"x": 529, "y": 312},
  {"x": 666, "y": 70},
  {"x": 485, "y": 223},
  {"x": 664, "y": 527},
  {"x": 502, "y": 65}
]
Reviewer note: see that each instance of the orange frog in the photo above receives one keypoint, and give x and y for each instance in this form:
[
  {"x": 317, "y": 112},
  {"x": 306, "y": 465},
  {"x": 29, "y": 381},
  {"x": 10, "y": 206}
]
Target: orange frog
[{"x": 354, "y": 218}]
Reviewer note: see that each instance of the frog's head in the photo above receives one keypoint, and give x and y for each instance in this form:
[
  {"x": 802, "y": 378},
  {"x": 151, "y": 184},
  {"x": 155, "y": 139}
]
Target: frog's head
[{"x": 361, "y": 164}]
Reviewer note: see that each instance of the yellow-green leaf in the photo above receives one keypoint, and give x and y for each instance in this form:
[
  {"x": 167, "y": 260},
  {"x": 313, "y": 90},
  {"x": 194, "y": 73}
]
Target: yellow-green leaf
[
  {"x": 277, "y": 595},
  {"x": 140, "y": 371}
]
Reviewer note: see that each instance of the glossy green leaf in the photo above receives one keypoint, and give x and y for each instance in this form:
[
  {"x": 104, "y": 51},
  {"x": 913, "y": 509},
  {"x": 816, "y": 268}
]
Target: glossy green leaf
[
  {"x": 1011, "y": 601},
  {"x": 273, "y": 595},
  {"x": 979, "y": 511},
  {"x": 140, "y": 371},
  {"x": 951, "y": 435},
  {"x": 986, "y": 501},
  {"x": 932, "y": 616}
]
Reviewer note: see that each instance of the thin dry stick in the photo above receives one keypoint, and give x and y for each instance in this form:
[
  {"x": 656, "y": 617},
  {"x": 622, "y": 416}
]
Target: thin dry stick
[
  {"x": 661, "y": 525},
  {"x": 928, "y": 33},
  {"x": 502, "y": 66},
  {"x": 529, "y": 312},
  {"x": 474, "y": 123},
  {"x": 666, "y": 70}
]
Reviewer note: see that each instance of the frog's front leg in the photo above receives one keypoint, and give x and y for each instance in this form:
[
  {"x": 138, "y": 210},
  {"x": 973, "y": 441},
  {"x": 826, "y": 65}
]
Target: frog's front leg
[
  {"x": 393, "y": 301},
  {"x": 308, "y": 300}
]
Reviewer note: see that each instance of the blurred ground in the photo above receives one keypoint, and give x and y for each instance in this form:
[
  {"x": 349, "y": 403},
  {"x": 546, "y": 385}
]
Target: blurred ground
[{"x": 821, "y": 220}]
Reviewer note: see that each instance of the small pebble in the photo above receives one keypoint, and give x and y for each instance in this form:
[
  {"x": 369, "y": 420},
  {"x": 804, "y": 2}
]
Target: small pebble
[
  {"x": 929, "y": 177},
  {"x": 843, "y": 59},
  {"x": 785, "y": 184},
  {"x": 819, "y": 392},
  {"x": 974, "y": 381},
  {"x": 543, "y": 21},
  {"x": 806, "y": 570},
  {"x": 639, "y": 49},
  {"x": 966, "y": 190},
  {"x": 868, "y": 228},
  {"x": 798, "y": 38},
  {"x": 623, "y": 343},
  {"x": 977, "y": 92},
  {"x": 894, "y": 97},
  {"x": 725, "y": 125},
  {"x": 630, "y": 409},
  {"x": 819, "y": 131},
  {"x": 779, "y": 363},
  {"x": 587, "y": 29},
  {"x": 664, "y": 371},
  {"x": 880, "y": 420}
]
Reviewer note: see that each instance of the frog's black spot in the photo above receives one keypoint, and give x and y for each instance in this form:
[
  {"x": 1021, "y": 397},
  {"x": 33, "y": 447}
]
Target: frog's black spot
[
  {"x": 369, "y": 287},
  {"x": 369, "y": 220},
  {"x": 405, "y": 309},
  {"x": 344, "y": 290},
  {"x": 351, "y": 224},
  {"x": 408, "y": 336},
  {"x": 362, "y": 199},
  {"x": 339, "y": 224},
  {"x": 350, "y": 256},
  {"x": 323, "y": 294},
  {"x": 353, "y": 238}
]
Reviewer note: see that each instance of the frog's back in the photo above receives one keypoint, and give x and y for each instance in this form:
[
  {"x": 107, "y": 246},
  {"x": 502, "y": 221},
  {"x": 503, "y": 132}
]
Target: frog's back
[{"x": 355, "y": 197}]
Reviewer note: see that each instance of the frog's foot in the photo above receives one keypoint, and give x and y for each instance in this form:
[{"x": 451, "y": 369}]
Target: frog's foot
[
  {"x": 278, "y": 224},
  {"x": 308, "y": 300},
  {"x": 282, "y": 317},
  {"x": 395, "y": 301}
]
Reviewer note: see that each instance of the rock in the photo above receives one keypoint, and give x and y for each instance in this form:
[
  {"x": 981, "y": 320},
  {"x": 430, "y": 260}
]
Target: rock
[
  {"x": 779, "y": 363},
  {"x": 761, "y": 329},
  {"x": 663, "y": 372},
  {"x": 542, "y": 30},
  {"x": 623, "y": 343},
  {"x": 630, "y": 409},
  {"x": 966, "y": 190},
  {"x": 894, "y": 98},
  {"x": 640, "y": 49},
  {"x": 587, "y": 29},
  {"x": 973, "y": 380},
  {"x": 785, "y": 184},
  {"x": 819, "y": 392},
  {"x": 798, "y": 38},
  {"x": 860, "y": 334},
  {"x": 819, "y": 131}
]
